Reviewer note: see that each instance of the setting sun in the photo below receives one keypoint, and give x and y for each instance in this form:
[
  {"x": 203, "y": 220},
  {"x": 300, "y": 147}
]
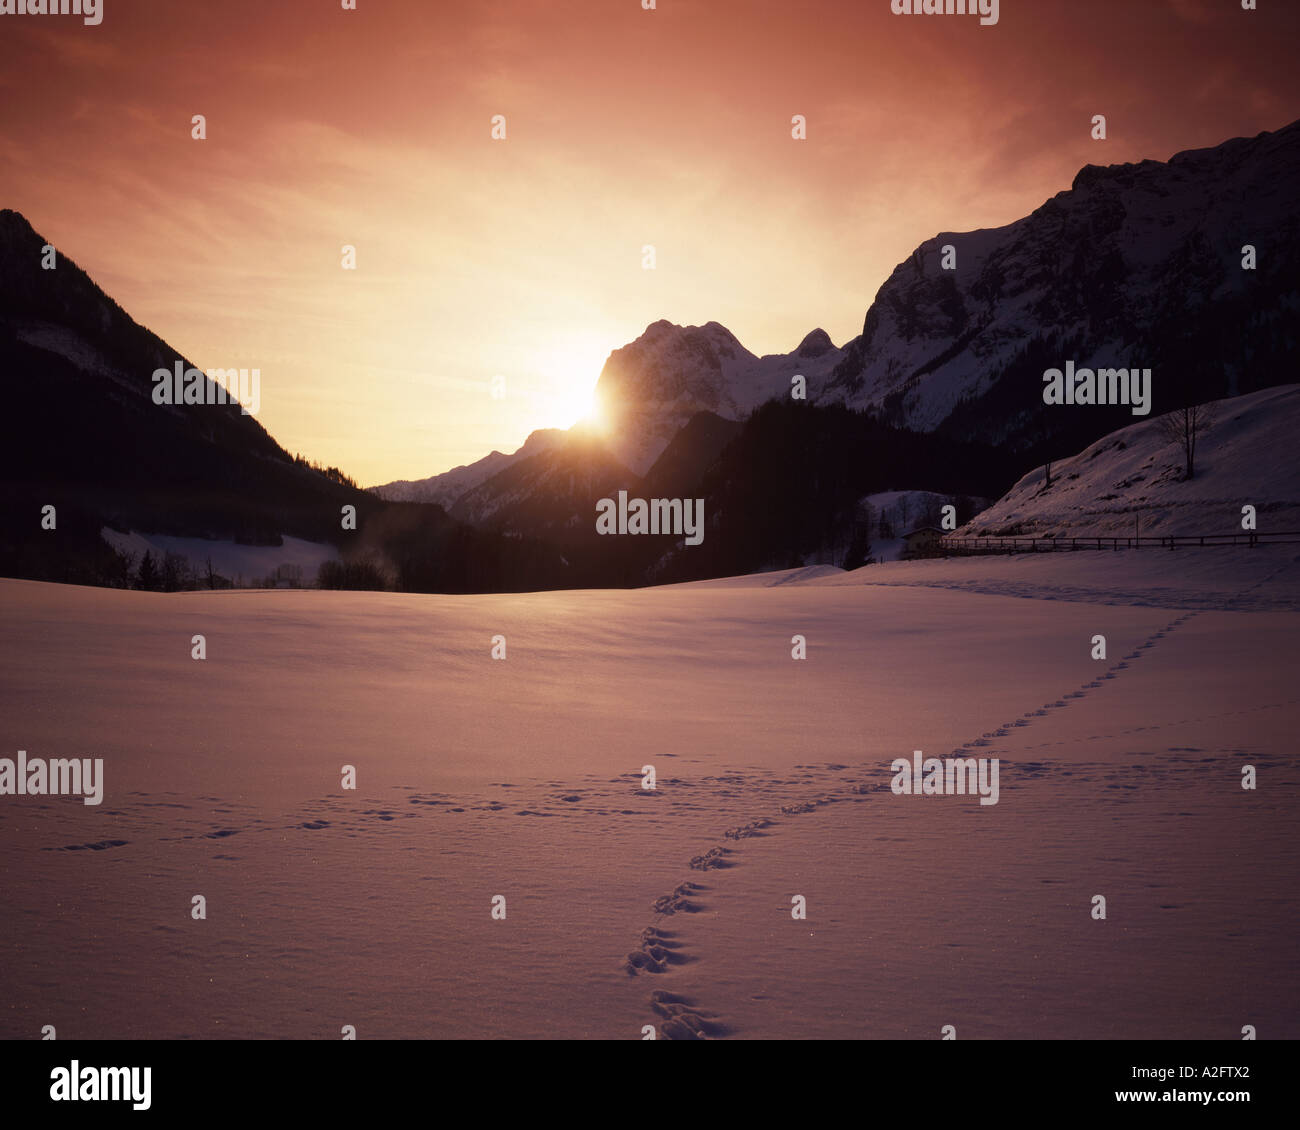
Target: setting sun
[{"x": 566, "y": 373}]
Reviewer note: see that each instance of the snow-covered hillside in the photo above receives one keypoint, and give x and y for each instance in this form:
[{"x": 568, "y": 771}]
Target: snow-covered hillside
[
  {"x": 1137, "y": 264},
  {"x": 1133, "y": 478}
]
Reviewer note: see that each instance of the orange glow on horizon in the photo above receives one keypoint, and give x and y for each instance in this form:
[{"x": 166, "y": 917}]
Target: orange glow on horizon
[{"x": 625, "y": 127}]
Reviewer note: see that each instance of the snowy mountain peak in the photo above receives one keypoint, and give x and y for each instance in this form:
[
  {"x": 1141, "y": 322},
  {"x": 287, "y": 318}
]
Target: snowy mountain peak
[
  {"x": 649, "y": 389},
  {"x": 817, "y": 343}
]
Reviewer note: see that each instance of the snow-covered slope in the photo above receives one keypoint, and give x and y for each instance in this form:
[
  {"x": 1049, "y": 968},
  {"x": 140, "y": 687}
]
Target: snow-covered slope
[
  {"x": 446, "y": 488},
  {"x": 1249, "y": 456},
  {"x": 371, "y": 906},
  {"x": 1136, "y": 265}
]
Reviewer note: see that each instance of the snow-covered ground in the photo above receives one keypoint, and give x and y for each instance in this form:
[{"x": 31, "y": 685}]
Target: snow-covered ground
[
  {"x": 1132, "y": 479},
  {"x": 239, "y": 564},
  {"x": 627, "y": 907}
]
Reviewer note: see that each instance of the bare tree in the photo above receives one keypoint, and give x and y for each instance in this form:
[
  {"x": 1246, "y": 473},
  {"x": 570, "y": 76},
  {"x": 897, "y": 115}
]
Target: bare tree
[
  {"x": 1182, "y": 428},
  {"x": 177, "y": 573}
]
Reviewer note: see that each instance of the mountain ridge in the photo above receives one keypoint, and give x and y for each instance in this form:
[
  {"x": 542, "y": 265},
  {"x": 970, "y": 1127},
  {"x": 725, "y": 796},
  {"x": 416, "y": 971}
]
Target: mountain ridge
[{"x": 1105, "y": 272}]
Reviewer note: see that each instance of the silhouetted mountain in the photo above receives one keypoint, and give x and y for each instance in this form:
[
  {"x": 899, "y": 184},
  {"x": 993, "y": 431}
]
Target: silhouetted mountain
[
  {"x": 542, "y": 493},
  {"x": 446, "y": 488},
  {"x": 82, "y": 433},
  {"x": 82, "y": 427}
]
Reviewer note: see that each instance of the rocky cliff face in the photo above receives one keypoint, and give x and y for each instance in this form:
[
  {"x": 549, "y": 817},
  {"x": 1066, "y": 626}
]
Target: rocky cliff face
[{"x": 1135, "y": 265}]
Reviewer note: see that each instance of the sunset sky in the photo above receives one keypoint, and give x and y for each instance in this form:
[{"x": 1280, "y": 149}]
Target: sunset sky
[{"x": 625, "y": 127}]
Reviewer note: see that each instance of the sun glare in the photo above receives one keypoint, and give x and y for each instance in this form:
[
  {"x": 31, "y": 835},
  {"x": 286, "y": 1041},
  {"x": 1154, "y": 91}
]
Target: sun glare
[{"x": 567, "y": 373}]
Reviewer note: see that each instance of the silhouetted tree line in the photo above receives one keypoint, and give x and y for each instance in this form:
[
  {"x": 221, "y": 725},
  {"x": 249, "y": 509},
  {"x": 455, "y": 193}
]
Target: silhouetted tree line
[
  {"x": 351, "y": 575},
  {"x": 789, "y": 485},
  {"x": 331, "y": 473},
  {"x": 785, "y": 485}
]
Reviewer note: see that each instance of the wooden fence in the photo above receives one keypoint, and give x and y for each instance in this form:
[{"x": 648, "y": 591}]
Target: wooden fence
[{"x": 968, "y": 546}]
